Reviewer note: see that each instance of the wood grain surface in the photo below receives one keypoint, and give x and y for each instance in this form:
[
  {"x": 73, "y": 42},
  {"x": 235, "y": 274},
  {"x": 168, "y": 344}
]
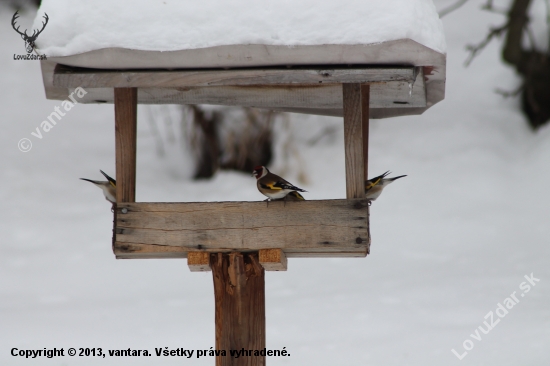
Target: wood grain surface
[
  {"x": 239, "y": 290},
  {"x": 125, "y": 143},
  {"x": 324, "y": 228}
]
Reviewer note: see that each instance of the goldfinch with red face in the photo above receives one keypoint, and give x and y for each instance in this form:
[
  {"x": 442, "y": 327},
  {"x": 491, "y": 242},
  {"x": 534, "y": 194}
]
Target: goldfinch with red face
[
  {"x": 108, "y": 187},
  {"x": 272, "y": 186},
  {"x": 374, "y": 186}
]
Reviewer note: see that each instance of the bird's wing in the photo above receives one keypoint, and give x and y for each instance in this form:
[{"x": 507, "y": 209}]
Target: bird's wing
[
  {"x": 280, "y": 185},
  {"x": 283, "y": 184},
  {"x": 111, "y": 180},
  {"x": 374, "y": 181},
  {"x": 270, "y": 185}
]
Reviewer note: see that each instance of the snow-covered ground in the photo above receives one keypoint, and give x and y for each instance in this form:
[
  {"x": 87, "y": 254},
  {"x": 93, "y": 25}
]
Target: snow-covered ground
[{"x": 450, "y": 241}]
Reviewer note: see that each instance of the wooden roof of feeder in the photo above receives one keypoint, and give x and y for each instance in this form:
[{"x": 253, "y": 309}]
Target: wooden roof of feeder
[{"x": 362, "y": 59}]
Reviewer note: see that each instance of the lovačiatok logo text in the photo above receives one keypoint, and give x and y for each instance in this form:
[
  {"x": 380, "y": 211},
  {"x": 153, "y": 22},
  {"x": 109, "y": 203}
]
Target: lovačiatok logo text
[{"x": 29, "y": 40}]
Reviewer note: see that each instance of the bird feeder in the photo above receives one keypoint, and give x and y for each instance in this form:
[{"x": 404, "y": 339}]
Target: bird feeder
[{"x": 239, "y": 241}]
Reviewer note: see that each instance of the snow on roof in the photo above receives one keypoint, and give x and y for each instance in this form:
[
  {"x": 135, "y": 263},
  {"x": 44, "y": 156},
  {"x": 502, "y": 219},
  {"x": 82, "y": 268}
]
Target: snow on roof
[{"x": 170, "y": 25}]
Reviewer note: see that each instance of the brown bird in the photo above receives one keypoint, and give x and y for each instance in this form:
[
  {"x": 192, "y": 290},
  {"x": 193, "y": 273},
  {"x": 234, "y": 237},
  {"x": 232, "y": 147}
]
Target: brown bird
[
  {"x": 108, "y": 187},
  {"x": 272, "y": 186},
  {"x": 374, "y": 186}
]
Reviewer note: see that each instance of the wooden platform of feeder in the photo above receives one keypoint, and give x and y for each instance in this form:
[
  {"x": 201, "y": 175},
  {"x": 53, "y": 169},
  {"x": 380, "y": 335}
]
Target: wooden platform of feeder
[{"x": 321, "y": 228}]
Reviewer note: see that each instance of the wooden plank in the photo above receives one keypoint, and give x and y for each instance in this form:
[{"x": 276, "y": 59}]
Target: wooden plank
[
  {"x": 365, "y": 101},
  {"x": 198, "y": 261},
  {"x": 388, "y": 95},
  {"x": 125, "y": 143},
  {"x": 365, "y": 125},
  {"x": 171, "y": 230},
  {"x": 323, "y": 100},
  {"x": 153, "y": 251},
  {"x": 273, "y": 259},
  {"x": 239, "y": 291},
  {"x": 69, "y": 77},
  {"x": 353, "y": 141},
  {"x": 403, "y": 52},
  {"x": 396, "y": 52}
]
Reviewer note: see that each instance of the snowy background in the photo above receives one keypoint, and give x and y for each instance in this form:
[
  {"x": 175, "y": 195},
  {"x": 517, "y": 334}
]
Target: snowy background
[{"x": 449, "y": 242}]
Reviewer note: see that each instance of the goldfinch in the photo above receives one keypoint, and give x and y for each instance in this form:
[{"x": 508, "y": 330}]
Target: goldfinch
[
  {"x": 374, "y": 186},
  {"x": 108, "y": 187},
  {"x": 272, "y": 186}
]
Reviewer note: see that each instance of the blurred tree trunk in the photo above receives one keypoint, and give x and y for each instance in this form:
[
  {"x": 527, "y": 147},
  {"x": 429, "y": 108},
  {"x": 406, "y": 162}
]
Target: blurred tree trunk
[
  {"x": 232, "y": 139},
  {"x": 531, "y": 64},
  {"x": 208, "y": 145},
  {"x": 252, "y": 144}
]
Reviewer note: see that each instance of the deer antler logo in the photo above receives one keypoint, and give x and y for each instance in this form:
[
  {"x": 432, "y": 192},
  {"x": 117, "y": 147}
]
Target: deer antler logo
[{"x": 29, "y": 40}]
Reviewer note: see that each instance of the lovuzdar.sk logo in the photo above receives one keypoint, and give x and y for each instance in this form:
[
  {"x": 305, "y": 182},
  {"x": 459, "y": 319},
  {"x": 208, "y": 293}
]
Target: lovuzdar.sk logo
[{"x": 29, "y": 40}]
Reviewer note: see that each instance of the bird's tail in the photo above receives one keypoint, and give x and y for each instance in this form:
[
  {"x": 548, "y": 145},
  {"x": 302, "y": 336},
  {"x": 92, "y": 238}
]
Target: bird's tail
[
  {"x": 296, "y": 195},
  {"x": 91, "y": 181},
  {"x": 394, "y": 178}
]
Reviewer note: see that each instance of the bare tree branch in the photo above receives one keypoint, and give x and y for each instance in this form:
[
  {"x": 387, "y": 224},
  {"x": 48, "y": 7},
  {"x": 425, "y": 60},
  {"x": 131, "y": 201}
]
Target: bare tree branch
[
  {"x": 488, "y": 6},
  {"x": 507, "y": 93},
  {"x": 475, "y": 49}
]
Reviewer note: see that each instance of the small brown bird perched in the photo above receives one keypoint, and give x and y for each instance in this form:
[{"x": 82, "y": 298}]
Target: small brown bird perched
[
  {"x": 108, "y": 187},
  {"x": 274, "y": 187},
  {"x": 374, "y": 186}
]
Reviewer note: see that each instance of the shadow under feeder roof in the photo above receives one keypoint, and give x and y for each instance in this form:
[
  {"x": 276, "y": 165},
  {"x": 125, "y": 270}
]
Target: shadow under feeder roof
[{"x": 406, "y": 77}]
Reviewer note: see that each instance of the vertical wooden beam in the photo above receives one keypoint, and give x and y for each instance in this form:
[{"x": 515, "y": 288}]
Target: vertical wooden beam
[
  {"x": 239, "y": 290},
  {"x": 356, "y": 125},
  {"x": 365, "y": 101},
  {"x": 125, "y": 143}
]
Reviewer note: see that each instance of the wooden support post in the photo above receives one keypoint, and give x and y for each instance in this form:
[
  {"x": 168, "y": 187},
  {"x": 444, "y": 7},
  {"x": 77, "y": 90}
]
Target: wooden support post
[
  {"x": 239, "y": 290},
  {"x": 273, "y": 259},
  {"x": 125, "y": 143},
  {"x": 356, "y": 127},
  {"x": 198, "y": 261},
  {"x": 365, "y": 104}
]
